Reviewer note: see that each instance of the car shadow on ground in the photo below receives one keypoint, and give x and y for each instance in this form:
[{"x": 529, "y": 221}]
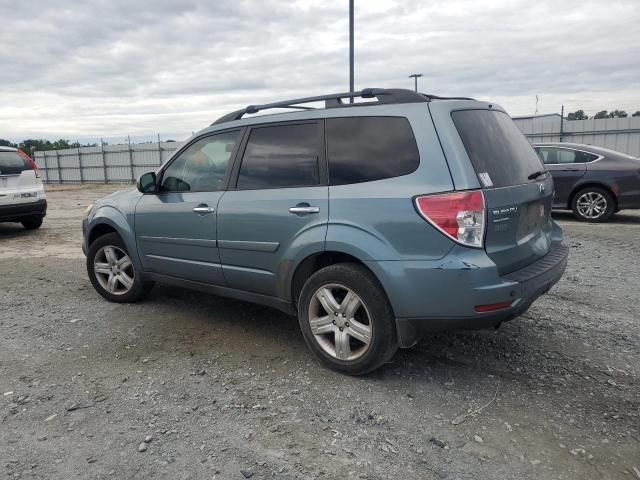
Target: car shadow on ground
[
  {"x": 624, "y": 217},
  {"x": 436, "y": 357},
  {"x": 12, "y": 230}
]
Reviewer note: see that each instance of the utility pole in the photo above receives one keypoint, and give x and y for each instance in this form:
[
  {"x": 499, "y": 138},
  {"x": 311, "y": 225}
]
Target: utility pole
[
  {"x": 351, "y": 29},
  {"x": 415, "y": 77}
]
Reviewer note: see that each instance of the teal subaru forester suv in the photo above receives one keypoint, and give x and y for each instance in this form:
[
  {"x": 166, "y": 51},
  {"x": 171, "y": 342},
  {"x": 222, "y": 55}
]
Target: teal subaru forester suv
[{"x": 373, "y": 221}]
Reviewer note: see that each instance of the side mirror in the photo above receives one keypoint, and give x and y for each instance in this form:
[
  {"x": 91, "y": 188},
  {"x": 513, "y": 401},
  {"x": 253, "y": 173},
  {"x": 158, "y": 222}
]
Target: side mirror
[{"x": 147, "y": 183}]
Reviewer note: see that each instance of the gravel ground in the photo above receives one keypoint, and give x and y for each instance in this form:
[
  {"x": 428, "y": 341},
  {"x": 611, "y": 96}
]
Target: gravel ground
[{"x": 186, "y": 385}]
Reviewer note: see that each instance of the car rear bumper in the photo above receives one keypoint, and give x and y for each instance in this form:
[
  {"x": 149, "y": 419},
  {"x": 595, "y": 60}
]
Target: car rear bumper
[
  {"x": 15, "y": 212},
  {"x": 445, "y": 296}
]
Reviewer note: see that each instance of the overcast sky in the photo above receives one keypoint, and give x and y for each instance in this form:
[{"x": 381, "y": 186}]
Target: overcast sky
[{"x": 109, "y": 68}]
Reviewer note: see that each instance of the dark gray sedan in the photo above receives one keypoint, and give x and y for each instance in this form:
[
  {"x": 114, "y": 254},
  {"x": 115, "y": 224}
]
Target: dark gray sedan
[{"x": 592, "y": 181}]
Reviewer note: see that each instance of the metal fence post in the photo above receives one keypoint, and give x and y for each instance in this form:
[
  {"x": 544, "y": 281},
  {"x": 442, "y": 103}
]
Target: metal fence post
[
  {"x": 46, "y": 166},
  {"x": 159, "y": 151},
  {"x": 104, "y": 162},
  {"x": 561, "y": 122},
  {"x": 133, "y": 177},
  {"x": 80, "y": 163},
  {"x": 59, "y": 169}
]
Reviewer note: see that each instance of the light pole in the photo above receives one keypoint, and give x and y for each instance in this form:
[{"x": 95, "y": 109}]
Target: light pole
[
  {"x": 415, "y": 77},
  {"x": 351, "y": 28}
]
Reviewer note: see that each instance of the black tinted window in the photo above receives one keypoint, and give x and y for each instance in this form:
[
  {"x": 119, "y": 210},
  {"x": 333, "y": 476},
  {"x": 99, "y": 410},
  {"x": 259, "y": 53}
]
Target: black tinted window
[
  {"x": 202, "y": 166},
  {"x": 12, "y": 164},
  {"x": 363, "y": 149},
  {"x": 499, "y": 152},
  {"x": 281, "y": 156}
]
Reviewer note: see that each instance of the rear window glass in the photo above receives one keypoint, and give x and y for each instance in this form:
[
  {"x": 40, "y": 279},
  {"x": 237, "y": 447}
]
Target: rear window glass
[
  {"x": 363, "y": 149},
  {"x": 12, "y": 164},
  {"x": 499, "y": 152}
]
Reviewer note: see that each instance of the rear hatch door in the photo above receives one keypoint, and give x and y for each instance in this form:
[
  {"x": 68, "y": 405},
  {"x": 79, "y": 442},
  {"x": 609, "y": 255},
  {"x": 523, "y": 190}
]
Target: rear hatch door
[
  {"x": 15, "y": 176},
  {"x": 518, "y": 194}
]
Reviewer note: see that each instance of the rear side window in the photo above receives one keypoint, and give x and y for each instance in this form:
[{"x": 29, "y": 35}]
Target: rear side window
[
  {"x": 551, "y": 155},
  {"x": 12, "y": 164},
  {"x": 363, "y": 149},
  {"x": 281, "y": 156},
  {"x": 499, "y": 152}
]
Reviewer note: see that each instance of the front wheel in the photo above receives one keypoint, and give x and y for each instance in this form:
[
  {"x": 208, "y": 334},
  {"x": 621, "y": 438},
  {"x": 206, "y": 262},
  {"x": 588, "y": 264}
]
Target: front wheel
[
  {"x": 346, "y": 319},
  {"x": 593, "y": 204},
  {"x": 112, "y": 272}
]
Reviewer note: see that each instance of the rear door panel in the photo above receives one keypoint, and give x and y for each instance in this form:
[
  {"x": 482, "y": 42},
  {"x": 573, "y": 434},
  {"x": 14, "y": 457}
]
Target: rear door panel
[
  {"x": 18, "y": 182},
  {"x": 258, "y": 236}
]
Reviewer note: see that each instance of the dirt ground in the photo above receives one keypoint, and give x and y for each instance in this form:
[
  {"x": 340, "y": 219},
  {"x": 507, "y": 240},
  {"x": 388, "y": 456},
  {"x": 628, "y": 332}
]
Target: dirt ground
[{"x": 190, "y": 386}]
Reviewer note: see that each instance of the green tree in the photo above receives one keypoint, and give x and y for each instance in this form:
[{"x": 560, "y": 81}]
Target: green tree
[
  {"x": 31, "y": 145},
  {"x": 6, "y": 143},
  {"x": 637, "y": 114},
  {"x": 577, "y": 115},
  {"x": 617, "y": 113},
  {"x": 60, "y": 144},
  {"x": 602, "y": 114}
]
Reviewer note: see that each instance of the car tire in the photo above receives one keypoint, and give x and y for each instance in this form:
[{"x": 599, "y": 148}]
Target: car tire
[
  {"x": 112, "y": 272},
  {"x": 593, "y": 204},
  {"x": 31, "y": 223},
  {"x": 354, "y": 335}
]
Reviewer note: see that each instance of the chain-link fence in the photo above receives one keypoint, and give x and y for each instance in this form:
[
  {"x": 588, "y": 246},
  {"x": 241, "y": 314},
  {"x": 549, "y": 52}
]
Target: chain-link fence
[{"x": 105, "y": 162}]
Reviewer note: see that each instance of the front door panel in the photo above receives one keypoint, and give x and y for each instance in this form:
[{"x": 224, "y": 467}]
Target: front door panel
[
  {"x": 174, "y": 240},
  {"x": 176, "y": 228}
]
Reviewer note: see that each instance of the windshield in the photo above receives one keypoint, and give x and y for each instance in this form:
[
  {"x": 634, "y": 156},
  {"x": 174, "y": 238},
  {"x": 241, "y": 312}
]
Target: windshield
[{"x": 499, "y": 152}]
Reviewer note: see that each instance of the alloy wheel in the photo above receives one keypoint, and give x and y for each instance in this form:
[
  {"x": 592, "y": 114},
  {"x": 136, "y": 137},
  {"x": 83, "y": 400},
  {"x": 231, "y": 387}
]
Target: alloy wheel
[
  {"x": 113, "y": 270},
  {"x": 340, "y": 322},
  {"x": 591, "y": 205}
]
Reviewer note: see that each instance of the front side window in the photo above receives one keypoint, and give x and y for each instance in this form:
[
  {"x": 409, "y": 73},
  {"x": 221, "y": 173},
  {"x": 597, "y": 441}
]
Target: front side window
[
  {"x": 202, "y": 166},
  {"x": 364, "y": 149},
  {"x": 281, "y": 156}
]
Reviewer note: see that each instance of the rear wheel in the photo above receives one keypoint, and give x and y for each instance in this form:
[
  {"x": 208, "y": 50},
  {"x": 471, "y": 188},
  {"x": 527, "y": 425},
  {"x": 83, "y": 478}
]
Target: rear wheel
[
  {"x": 112, "y": 272},
  {"x": 347, "y": 320},
  {"x": 593, "y": 204},
  {"x": 31, "y": 223}
]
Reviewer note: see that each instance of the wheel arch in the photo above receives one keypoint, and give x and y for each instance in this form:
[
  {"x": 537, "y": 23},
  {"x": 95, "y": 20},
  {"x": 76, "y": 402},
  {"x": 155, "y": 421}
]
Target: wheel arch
[
  {"x": 111, "y": 220},
  {"x": 316, "y": 261},
  {"x": 591, "y": 184},
  {"x": 100, "y": 230}
]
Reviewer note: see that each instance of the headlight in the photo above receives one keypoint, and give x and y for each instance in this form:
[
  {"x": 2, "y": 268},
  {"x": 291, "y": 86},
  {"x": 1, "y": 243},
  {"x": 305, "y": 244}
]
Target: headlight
[{"x": 87, "y": 210}]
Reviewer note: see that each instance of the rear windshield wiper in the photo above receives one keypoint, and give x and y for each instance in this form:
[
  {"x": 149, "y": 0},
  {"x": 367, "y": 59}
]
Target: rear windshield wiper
[{"x": 537, "y": 174}]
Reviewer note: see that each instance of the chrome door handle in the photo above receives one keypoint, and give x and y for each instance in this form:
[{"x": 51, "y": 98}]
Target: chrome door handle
[
  {"x": 203, "y": 209},
  {"x": 299, "y": 210}
]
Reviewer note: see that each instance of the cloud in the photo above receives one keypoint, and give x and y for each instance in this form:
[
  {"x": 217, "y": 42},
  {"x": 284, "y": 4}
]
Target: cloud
[{"x": 105, "y": 68}]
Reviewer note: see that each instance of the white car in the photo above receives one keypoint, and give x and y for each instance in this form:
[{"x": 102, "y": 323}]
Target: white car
[{"x": 22, "y": 197}]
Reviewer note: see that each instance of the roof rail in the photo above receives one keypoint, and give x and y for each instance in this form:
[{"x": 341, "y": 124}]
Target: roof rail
[{"x": 384, "y": 96}]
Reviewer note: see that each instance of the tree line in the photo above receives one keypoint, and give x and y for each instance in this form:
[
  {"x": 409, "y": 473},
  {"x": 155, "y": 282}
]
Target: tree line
[
  {"x": 580, "y": 115},
  {"x": 33, "y": 145}
]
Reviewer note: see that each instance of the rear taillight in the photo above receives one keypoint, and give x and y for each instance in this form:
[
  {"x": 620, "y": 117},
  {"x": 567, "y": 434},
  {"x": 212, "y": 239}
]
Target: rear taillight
[
  {"x": 34, "y": 165},
  {"x": 460, "y": 215}
]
